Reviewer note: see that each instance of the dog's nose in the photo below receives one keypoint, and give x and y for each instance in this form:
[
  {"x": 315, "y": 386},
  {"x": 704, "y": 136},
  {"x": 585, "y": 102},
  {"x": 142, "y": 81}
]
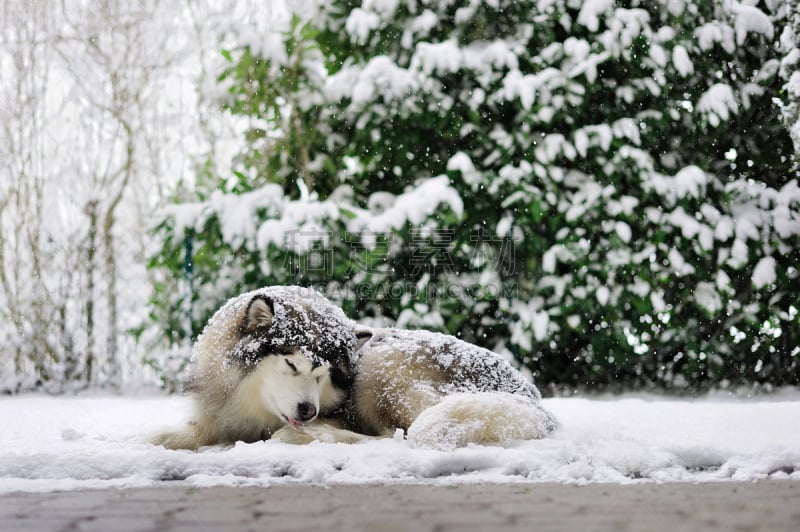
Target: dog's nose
[{"x": 306, "y": 411}]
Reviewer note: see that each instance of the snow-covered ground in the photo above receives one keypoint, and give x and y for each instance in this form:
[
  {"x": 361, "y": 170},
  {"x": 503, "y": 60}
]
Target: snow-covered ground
[{"x": 61, "y": 443}]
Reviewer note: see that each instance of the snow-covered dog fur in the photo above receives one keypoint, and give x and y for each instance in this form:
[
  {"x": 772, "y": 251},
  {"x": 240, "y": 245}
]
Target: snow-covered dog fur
[
  {"x": 443, "y": 392},
  {"x": 271, "y": 363},
  {"x": 267, "y": 358}
]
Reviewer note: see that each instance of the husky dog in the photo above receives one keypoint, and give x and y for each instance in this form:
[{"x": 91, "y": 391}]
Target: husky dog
[
  {"x": 267, "y": 358},
  {"x": 442, "y": 392}
]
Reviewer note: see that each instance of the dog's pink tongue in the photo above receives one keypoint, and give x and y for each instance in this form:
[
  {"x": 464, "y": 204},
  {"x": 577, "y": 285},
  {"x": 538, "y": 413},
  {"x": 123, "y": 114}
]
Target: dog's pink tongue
[{"x": 293, "y": 422}]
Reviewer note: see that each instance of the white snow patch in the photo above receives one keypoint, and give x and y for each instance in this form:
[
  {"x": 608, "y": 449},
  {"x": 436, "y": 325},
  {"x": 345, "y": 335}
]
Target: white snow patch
[
  {"x": 750, "y": 19},
  {"x": 67, "y": 443},
  {"x": 623, "y": 231},
  {"x": 551, "y": 256},
  {"x": 380, "y": 75},
  {"x": 461, "y": 162},
  {"x": 439, "y": 58},
  {"x": 529, "y": 87},
  {"x": 603, "y": 294},
  {"x": 413, "y": 206},
  {"x": 724, "y": 228},
  {"x": 717, "y": 103},
  {"x": 678, "y": 264},
  {"x": 581, "y": 142},
  {"x": 715, "y": 32},
  {"x": 540, "y": 321},
  {"x": 707, "y": 297},
  {"x": 424, "y": 23},
  {"x": 739, "y": 254},
  {"x": 688, "y": 225},
  {"x": 487, "y": 56},
  {"x": 360, "y": 23},
  {"x": 764, "y": 272},
  {"x": 589, "y": 15},
  {"x": 680, "y": 58}
]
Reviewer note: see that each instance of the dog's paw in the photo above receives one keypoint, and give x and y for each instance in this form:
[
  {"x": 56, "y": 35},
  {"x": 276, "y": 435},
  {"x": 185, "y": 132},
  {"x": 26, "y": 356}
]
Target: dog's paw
[
  {"x": 317, "y": 431},
  {"x": 179, "y": 439},
  {"x": 292, "y": 435}
]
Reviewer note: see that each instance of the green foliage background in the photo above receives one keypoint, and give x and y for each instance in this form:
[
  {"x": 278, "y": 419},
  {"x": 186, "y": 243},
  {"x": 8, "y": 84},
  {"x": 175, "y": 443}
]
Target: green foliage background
[{"x": 638, "y": 212}]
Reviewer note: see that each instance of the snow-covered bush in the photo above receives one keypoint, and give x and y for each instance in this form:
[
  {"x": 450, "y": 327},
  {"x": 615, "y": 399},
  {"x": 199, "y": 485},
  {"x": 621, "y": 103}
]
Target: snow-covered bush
[
  {"x": 620, "y": 206},
  {"x": 790, "y": 70}
]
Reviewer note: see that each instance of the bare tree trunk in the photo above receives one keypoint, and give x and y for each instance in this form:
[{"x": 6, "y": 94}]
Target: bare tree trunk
[
  {"x": 59, "y": 279},
  {"x": 112, "y": 40},
  {"x": 91, "y": 249},
  {"x": 113, "y": 328},
  {"x": 110, "y": 257},
  {"x": 26, "y": 301},
  {"x": 112, "y": 348}
]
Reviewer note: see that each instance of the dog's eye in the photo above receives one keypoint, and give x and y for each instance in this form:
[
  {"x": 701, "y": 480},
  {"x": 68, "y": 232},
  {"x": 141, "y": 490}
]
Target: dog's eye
[{"x": 291, "y": 364}]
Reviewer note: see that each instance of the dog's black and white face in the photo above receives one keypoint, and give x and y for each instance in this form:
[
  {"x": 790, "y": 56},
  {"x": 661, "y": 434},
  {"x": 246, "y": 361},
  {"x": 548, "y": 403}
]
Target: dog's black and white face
[
  {"x": 294, "y": 389},
  {"x": 297, "y": 357}
]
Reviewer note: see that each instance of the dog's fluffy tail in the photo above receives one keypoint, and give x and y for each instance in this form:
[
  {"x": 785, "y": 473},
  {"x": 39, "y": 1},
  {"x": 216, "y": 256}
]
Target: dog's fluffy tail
[{"x": 483, "y": 418}]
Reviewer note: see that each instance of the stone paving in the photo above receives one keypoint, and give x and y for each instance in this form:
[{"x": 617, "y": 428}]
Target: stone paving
[{"x": 769, "y": 506}]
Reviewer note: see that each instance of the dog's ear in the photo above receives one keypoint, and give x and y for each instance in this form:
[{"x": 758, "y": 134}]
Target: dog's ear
[
  {"x": 363, "y": 335},
  {"x": 260, "y": 313}
]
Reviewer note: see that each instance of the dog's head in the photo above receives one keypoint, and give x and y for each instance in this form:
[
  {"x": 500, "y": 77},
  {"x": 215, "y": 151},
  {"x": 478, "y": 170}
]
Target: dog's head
[
  {"x": 296, "y": 388},
  {"x": 300, "y": 348}
]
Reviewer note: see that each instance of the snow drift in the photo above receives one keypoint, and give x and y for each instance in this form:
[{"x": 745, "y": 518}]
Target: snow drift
[{"x": 50, "y": 443}]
